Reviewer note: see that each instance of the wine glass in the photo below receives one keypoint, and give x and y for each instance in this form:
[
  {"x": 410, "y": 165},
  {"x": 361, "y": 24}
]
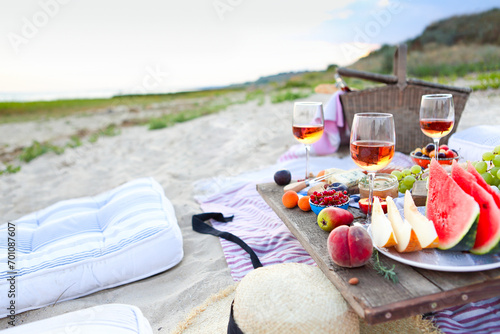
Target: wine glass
[
  {"x": 437, "y": 116},
  {"x": 308, "y": 123},
  {"x": 373, "y": 139}
]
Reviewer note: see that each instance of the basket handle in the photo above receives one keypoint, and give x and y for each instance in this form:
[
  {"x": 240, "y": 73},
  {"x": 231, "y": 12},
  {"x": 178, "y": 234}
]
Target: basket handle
[
  {"x": 383, "y": 78},
  {"x": 399, "y": 69}
]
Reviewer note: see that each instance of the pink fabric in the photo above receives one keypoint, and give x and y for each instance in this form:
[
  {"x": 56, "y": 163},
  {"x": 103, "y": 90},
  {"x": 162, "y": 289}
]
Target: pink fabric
[
  {"x": 256, "y": 224},
  {"x": 334, "y": 127}
]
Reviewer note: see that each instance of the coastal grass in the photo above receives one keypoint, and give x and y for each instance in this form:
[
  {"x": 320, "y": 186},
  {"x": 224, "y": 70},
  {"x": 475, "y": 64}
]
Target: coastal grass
[
  {"x": 37, "y": 149},
  {"x": 187, "y": 115},
  {"x": 37, "y": 110},
  {"x": 289, "y": 95},
  {"x": 488, "y": 80},
  {"x": 10, "y": 169}
]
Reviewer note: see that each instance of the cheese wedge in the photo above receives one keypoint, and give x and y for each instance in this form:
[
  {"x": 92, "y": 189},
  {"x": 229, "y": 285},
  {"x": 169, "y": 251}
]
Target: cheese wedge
[
  {"x": 383, "y": 235},
  {"x": 423, "y": 227},
  {"x": 406, "y": 236}
]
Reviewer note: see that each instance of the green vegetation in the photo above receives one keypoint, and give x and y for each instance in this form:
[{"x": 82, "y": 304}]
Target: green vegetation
[
  {"x": 9, "y": 169},
  {"x": 26, "y": 111},
  {"x": 37, "y": 149},
  {"x": 109, "y": 131},
  {"x": 480, "y": 28},
  {"x": 75, "y": 141},
  {"x": 186, "y": 115},
  {"x": 289, "y": 95},
  {"x": 435, "y": 60},
  {"x": 451, "y": 48},
  {"x": 488, "y": 80}
]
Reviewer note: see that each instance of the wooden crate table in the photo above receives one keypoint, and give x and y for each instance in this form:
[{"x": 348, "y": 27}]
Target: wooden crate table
[{"x": 375, "y": 298}]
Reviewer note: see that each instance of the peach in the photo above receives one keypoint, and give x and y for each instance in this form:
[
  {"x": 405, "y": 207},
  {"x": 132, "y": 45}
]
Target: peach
[{"x": 350, "y": 246}]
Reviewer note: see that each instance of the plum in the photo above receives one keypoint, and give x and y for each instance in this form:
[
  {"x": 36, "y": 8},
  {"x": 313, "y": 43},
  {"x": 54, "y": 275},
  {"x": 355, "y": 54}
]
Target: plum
[
  {"x": 350, "y": 246},
  {"x": 337, "y": 186},
  {"x": 282, "y": 177}
]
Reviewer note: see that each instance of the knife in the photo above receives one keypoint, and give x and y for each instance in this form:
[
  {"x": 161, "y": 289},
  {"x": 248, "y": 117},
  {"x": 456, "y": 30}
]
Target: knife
[{"x": 298, "y": 186}]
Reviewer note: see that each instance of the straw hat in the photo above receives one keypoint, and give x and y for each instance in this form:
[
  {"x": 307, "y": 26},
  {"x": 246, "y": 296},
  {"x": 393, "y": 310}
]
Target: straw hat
[{"x": 286, "y": 298}]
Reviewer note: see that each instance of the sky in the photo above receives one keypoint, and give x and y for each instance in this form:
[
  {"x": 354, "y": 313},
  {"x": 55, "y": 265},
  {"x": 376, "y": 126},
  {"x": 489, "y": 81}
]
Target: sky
[{"x": 67, "y": 48}]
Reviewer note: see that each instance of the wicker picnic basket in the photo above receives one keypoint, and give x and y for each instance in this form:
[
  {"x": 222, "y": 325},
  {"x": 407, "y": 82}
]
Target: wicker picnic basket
[{"x": 400, "y": 97}]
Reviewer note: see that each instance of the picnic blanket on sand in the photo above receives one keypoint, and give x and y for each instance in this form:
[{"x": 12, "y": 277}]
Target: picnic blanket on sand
[{"x": 257, "y": 224}]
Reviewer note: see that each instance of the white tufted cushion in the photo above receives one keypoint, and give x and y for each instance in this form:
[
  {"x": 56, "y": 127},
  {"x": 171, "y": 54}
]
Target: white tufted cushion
[
  {"x": 79, "y": 246},
  {"x": 109, "y": 319},
  {"x": 471, "y": 143}
]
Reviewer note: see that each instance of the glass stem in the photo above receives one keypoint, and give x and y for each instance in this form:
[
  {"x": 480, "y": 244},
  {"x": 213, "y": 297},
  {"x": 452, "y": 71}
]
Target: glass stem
[
  {"x": 436, "y": 148},
  {"x": 371, "y": 178},
  {"x": 308, "y": 147}
]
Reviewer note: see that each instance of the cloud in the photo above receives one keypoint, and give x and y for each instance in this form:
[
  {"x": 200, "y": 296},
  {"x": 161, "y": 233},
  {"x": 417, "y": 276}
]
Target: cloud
[{"x": 189, "y": 40}]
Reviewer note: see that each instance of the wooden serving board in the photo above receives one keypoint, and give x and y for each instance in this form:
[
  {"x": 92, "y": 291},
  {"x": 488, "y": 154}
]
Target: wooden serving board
[{"x": 375, "y": 298}]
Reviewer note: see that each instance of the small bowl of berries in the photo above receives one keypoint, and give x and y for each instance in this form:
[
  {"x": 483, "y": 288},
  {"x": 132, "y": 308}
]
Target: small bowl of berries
[
  {"x": 422, "y": 156},
  {"x": 320, "y": 200}
]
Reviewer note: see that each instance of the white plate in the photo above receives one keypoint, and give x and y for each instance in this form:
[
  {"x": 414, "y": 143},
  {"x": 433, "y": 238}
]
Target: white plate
[{"x": 435, "y": 259}]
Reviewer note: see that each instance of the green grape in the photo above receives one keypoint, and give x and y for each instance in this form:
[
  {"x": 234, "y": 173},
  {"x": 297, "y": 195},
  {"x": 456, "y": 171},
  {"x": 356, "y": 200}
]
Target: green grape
[
  {"x": 402, "y": 188},
  {"x": 498, "y": 174},
  {"x": 494, "y": 171},
  {"x": 488, "y": 178},
  {"x": 416, "y": 169},
  {"x": 409, "y": 181},
  {"x": 406, "y": 172},
  {"x": 496, "y": 150},
  {"x": 488, "y": 156},
  {"x": 397, "y": 174},
  {"x": 481, "y": 167},
  {"x": 496, "y": 181},
  {"x": 496, "y": 160}
]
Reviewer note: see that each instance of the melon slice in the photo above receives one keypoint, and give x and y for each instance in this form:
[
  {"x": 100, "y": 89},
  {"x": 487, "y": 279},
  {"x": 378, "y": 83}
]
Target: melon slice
[
  {"x": 453, "y": 212},
  {"x": 423, "y": 227},
  {"x": 383, "y": 235},
  {"x": 488, "y": 226},
  {"x": 406, "y": 236},
  {"x": 479, "y": 179}
]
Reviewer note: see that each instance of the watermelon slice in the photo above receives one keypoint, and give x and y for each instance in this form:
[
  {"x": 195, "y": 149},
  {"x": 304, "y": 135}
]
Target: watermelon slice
[
  {"x": 488, "y": 226},
  {"x": 482, "y": 183},
  {"x": 453, "y": 212}
]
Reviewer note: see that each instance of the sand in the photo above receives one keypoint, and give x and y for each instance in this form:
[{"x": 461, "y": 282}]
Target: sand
[{"x": 239, "y": 139}]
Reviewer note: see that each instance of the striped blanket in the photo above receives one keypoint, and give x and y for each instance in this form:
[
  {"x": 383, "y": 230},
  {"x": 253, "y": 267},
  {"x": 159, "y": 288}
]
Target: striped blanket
[{"x": 257, "y": 224}]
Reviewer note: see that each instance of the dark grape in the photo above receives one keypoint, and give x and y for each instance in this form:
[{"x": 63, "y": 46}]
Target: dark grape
[
  {"x": 418, "y": 154},
  {"x": 430, "y": 147},
  {"x": 441, "y": 155}
]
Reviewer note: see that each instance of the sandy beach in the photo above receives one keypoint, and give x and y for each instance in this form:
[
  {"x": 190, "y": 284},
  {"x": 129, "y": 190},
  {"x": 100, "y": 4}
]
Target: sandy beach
[{"x": 241, "y": 138}]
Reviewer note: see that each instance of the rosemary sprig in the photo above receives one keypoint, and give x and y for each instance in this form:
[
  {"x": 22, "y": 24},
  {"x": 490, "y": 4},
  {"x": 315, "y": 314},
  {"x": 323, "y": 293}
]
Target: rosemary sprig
[{"x": 387, "y": 273}]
